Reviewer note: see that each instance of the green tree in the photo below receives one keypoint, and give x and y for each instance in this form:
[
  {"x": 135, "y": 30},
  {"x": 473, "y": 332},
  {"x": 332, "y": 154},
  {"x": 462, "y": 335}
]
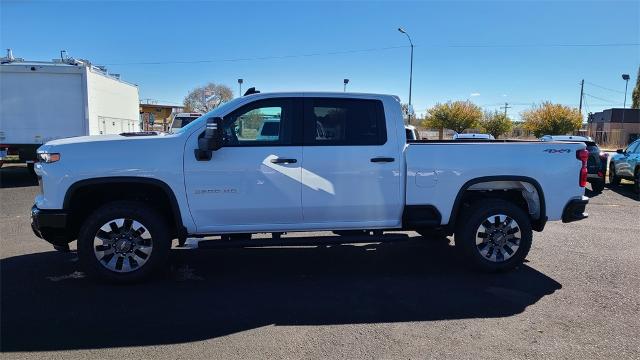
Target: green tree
[
  {"x": 496, "y": 123},
  {"x": 206, "y": 98},
  {"x": 635, "y": 96},
  {"x": 457, "y": 116},
  {"x": 551, "y": 119}
]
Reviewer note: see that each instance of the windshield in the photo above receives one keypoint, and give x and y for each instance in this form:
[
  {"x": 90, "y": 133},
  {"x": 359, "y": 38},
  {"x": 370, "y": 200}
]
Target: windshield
[{"x": 219, "y": 111}]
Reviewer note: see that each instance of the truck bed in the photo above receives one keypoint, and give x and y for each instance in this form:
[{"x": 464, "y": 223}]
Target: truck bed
[{"x": 438, "y": 170}]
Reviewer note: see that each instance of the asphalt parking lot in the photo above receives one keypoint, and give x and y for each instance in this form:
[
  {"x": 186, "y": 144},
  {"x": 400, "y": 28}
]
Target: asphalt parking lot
[{"x": 576, "y": 297}]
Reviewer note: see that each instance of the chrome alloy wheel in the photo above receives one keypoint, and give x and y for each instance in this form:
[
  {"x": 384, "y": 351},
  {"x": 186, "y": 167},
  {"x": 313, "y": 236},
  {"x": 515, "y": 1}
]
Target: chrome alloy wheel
[
  {"x": 122, "y": 245},
  {"x": 498, "y": 238}
]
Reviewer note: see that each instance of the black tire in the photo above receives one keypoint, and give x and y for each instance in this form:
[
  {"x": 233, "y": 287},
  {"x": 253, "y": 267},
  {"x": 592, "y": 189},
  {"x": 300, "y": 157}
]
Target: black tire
[
  {"x": 597, "y": 186},
  {"x": 143, "y": 214},
  {"x": 613, "y": 178},
  {"x": 468, "y": 228},
  {"x": 636, "y": 183}
]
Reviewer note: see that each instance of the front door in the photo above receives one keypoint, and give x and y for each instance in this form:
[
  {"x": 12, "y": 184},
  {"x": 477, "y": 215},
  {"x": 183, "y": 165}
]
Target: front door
[{"x": 253, "y": 181}]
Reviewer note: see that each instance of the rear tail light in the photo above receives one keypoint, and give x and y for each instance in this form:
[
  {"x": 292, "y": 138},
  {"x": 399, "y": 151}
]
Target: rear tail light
[{"x": 583, "y": 155}]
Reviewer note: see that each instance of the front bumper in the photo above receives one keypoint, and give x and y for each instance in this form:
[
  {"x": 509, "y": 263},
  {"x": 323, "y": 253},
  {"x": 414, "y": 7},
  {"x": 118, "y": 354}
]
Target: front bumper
[
  {"x": 51, "y": 225},
  {"x": 575, "y": 210}
]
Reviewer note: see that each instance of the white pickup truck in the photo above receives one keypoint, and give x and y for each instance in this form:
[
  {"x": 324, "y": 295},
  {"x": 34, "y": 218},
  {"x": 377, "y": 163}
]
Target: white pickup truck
[{"x": 126, "y": 197}]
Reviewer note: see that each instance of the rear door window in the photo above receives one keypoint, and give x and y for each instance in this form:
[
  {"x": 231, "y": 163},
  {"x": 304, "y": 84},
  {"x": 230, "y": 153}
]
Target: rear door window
[{"x": 337, "y": 121}]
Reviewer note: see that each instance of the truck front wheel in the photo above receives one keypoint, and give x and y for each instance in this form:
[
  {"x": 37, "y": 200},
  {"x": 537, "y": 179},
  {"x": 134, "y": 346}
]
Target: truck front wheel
[
  {"x": 123, "y": 242},
  {"x": 494, "y": 235}
]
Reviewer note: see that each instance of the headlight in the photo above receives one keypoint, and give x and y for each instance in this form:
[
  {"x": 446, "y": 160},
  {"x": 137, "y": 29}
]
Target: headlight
[{"x": 48, "y": 157}]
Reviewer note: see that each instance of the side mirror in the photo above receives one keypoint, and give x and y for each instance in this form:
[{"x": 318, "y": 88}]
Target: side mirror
[
  {"x": 211, "y": 141},
  {"x": 620, "y": 151}
]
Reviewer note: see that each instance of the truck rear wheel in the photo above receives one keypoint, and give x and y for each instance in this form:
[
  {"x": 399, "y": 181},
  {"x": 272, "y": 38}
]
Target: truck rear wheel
[
  {"x": 494, "y": 235},
  {"x": 123, "y": 242}
]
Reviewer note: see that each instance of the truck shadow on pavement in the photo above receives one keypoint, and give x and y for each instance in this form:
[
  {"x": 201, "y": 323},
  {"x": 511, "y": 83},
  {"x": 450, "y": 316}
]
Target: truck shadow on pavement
[
  {"x": 12, "y": 176},
  {"x": 47, "y": 304}
]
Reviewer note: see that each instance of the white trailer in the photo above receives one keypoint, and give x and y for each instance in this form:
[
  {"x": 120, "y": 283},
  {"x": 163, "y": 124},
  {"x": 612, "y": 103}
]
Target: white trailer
[{"x": 43, "y": 101}]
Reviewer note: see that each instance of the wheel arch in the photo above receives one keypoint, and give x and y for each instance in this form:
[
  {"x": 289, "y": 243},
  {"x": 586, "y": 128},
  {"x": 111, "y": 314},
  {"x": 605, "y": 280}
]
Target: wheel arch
[
  {"x": 537, "y": 223},
  {"x": 122, "y": 182}
]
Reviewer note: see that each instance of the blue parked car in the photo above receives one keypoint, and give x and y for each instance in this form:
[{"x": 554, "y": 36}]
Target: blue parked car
[{"x": 625, "y": 164}]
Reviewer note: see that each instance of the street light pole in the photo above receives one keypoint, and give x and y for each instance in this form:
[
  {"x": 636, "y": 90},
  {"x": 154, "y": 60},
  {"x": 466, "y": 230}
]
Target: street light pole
[
  {"x": 410, "y": 72},
  {"x": 346, "y": 81},
  {"x": 625, "y": 77},
  {"x": 240, "y": 81}
]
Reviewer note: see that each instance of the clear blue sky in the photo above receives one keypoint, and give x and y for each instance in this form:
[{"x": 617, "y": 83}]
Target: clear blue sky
[{"x": 495, "y": 49}]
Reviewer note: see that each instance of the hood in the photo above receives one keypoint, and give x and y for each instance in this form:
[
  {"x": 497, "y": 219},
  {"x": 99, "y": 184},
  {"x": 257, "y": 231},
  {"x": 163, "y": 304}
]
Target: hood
[{"x": 101, "y": 138}]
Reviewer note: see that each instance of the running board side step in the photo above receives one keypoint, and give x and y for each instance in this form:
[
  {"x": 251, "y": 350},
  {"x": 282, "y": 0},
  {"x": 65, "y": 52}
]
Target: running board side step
[{"x": 299, "y": 241}]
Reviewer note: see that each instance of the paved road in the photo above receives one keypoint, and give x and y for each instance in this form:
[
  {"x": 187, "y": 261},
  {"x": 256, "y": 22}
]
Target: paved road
[{"x": 577, "y": 297}]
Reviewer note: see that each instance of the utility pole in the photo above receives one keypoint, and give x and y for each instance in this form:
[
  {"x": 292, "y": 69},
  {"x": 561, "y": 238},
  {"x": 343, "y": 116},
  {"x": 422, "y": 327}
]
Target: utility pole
[
  {"x": 410, "y": 71},
  {"x": 581, "y": 95},
  {"x": 505, "y": 107},
  {"x": 240, "y": 81}
]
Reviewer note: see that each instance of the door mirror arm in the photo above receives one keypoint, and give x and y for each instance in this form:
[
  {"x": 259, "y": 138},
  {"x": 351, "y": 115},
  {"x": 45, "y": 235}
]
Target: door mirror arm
[{"x": 211, "y": 140}]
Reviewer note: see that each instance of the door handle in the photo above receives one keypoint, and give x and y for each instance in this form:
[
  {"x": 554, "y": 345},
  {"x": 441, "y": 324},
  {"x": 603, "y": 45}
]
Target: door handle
[
  {"x": 382, "y": 159},
  {"x": 283, "y": 161}
]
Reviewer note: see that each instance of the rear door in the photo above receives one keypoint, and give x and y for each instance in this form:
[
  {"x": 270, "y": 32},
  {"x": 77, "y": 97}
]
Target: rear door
[{"x": 351, "y": 167}]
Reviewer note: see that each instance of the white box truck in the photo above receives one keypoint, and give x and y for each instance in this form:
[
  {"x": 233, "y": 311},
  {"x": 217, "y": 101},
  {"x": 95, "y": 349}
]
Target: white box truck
[{"x": 43, "y": 101}]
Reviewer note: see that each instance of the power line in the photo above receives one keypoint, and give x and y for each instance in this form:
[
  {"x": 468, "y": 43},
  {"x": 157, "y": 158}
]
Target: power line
[
  {"x": 351, "y": 51},
  {"x": 602, "y": 99},
  {"x": 259, "y": 57},
  {"x": 505, "y": 107},
  {"x": 586, "y": 106},
  {"x": 606, "y": 88},
  {"x": 536, "y": 45}
]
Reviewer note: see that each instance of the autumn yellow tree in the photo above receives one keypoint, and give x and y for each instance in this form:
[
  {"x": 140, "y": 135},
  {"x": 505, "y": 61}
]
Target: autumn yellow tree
[
  {"x": 457, "y": 116},
  {"x": 496, "y": 123},
  {"x": 551, "y": 119}
]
